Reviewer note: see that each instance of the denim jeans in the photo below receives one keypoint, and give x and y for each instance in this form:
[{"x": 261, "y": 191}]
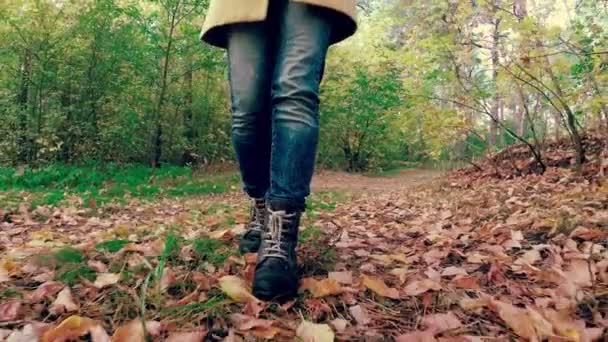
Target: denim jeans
[{"x": 275, "y": 68}]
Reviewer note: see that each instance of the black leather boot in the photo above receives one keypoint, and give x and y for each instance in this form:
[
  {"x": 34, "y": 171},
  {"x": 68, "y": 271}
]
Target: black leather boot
[
  {"x": 250, "y": 241},
  {"x": 276, "y": 272}
]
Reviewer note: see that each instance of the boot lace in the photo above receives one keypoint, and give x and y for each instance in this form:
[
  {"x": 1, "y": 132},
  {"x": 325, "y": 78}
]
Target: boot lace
[
  {"x": 274, "y": 246},
  {"x": 256, "y": 221}
]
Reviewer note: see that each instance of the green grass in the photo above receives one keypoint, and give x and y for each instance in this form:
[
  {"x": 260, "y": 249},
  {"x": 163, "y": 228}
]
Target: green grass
[
  {"x": 112, "y": 246},
  {"x": 99, "y": 184},
  {"x": 213, "y": 251}
]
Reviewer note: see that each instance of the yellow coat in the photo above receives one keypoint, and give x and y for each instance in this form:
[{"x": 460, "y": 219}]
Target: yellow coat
[{"x": 225, "y": 12}]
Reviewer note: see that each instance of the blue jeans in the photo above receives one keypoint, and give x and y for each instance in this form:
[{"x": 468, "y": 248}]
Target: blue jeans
[{"x": 275, "y": 68}]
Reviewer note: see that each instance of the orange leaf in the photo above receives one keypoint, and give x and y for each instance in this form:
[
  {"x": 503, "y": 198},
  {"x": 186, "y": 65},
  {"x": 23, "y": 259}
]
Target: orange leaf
[{"x": 70, "y": 329}]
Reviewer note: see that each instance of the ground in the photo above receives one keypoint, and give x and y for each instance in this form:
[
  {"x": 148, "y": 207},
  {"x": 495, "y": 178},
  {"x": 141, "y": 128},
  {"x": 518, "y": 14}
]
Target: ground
[{"x": 415, "y": 256}]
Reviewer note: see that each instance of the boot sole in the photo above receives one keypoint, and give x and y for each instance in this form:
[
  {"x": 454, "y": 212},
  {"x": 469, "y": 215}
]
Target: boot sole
[{"x": 271, "y": 297}]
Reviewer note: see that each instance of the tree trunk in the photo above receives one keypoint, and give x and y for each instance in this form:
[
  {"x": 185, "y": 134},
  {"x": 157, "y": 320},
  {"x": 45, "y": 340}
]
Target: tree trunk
[
  {"x": 23, "y": 154},
  {"x": 188, "y": 155},
  {"x": 496, "y": 102},
  {"x": 571, "y": 123},
  {"x": 163, "y": 89}
]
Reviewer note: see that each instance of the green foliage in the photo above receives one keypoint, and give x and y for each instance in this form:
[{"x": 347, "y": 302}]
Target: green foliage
[
  {"x": 112, "y": 246},
  {"x": 107, "y": 182},
  {"x": 127, "y": 83},
  {"x": 68, "y": 255},
  {"x": 212, "y": 251},
  {"x": 72, "y": 274}
]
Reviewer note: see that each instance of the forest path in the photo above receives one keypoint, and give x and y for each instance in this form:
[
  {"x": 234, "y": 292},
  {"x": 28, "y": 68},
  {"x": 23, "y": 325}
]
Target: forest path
[{"x": 355, "y": 183}]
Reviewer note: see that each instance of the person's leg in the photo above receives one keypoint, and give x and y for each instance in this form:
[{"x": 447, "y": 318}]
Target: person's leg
[
  {"x": 250, "y": 73},
  {"x": 302, "y": 47},
  {"x": 303, "y": 39}
]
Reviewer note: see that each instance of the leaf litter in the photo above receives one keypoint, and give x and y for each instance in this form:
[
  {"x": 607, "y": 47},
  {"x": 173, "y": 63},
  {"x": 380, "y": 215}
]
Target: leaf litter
[{"x": 468, "y": 257}]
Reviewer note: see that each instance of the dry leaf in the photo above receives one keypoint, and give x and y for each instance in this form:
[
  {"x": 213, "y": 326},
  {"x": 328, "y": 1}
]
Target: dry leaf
[
  {"x": 453, "y": 271},
  {"x": 4, "y": 276},
  {"x": 106, "y": 279},
  {"x": 528, "y": 258},
  {"x": 517, "y": 319},
  {"x": 467, "y": 282},
  {"x": 191, "y": 336},
  {"x": 236, "y": 288},
  {"x": 326, "y": 287},
  {"x": 417, "y": 336},
  {"x": 45, "y": 291},
  {"x": 418, "y": 287},
  {"x": 311, "y": 332},
  {"x": 578, "y": 272},
  {"x": 321, "y": 288},
  {"x": 167, "y": 279},
  {"x": 133, "y": 331},
  {"x": 339, "y": 324},
  {"x": 243, "y": 322},
  {"x": 9, "y": 311},
  {"x": 379, "y": 287},
  {"x": 99, "y": 334},
  {"x": 70, "y": 329},
  {"x": 203, "y": 281},
  {"x": 359, "y": 314},
  {"x": 439, "y": 323},
  {"x": 98, "y": 266},
  {"x": 344, "y": 277},
  {"x": 64, "y": 302}
]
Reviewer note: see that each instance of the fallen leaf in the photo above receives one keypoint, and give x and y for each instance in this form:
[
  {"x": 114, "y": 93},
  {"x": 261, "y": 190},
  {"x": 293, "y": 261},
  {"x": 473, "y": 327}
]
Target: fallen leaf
[
  {"x": 578, "y": 272},
  {"x": 71, "y": 328},
  {"x": 106, "y": 279},
  {"x": 9, "y": 311},
  {"x": 418, "y": 287},
  {"x": 64, "y": 302},
  {"x": 517, "y": 319},
  {"x": 167, "y": 279},
  {"x": 467, "y": 282},
  {"x": 265, "y": 333},
  {"x": 359, "y": 314},
  {"x": 339, "y": 324},
  {"x": 243, "y": 322},
  {"x": 236, "y": 288},
  {"x": 4, "y": 275},
  {"x": 98, "y": 266},
  {"x": 254, "y": 307},
  {"x": 439, "y": 323},
  {"x": 203, "y": 281},
  {"x": 528, "y": 258},
  {"x": 133, "y": 331},
  {"x": 99, "y": 334},
  {"x": 379, "y": 287},
  {"x": 311, "y": 332},
  {"x": 190, "y": 336},
  {"x": 453, "y": 271},
  {"x": 326, "y": 287},
  {"x": 31, "y": 332},
  {"x": 417, "y": 336},
  {"x": 344, "y": 277},
  {"x": 45, "y": 291},
  {"x": 321, "y": 288}
]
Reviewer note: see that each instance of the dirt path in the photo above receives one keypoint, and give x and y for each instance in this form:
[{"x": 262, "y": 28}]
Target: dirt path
[{"x": 340, "y": 181}]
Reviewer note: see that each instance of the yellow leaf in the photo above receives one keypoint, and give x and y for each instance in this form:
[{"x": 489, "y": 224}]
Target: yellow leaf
[
  {"x": 236, "y": 288},
  {"x": 311, "y": 332},
  {"x": 379, "y": 287}
]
